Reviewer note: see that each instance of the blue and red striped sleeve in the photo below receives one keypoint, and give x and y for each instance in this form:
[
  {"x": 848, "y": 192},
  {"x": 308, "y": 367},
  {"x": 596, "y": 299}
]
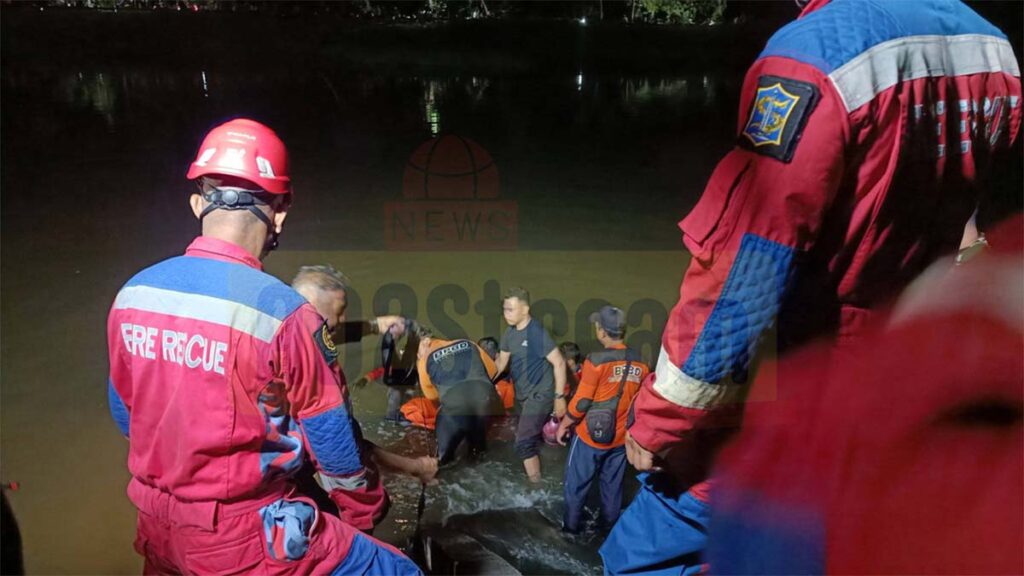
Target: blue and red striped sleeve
[{"x": 757, "y": 213}]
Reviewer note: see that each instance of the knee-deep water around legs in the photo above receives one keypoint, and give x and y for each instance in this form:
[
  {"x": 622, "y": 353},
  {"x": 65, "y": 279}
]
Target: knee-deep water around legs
[{"x": 433, "y": 173}]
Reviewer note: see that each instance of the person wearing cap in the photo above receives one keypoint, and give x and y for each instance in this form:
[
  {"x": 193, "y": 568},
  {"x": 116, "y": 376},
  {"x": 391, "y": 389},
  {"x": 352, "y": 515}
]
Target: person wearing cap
[
  {"x": 459, "y": 376},
  {"x": 221, "y": 378},
  {"x": 610, "y": 379},
  {"x": 859, "y": 157},
  {"x": 538, "y": 373}
]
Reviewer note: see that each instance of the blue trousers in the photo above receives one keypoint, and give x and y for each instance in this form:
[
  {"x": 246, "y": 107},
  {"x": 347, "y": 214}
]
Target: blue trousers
[
  {"x": 366, "y": 558},
  {"x": 584, "y": 463},
  {"x": 661, "y": 532}
]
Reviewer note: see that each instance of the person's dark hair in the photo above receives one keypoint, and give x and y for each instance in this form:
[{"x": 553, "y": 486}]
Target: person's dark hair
[
  {"x": 490, "y": 345},
  {"x": 571, "y": 351},
  {"x": 517, "y": 292},
  {"x": 422, "y": 332}
]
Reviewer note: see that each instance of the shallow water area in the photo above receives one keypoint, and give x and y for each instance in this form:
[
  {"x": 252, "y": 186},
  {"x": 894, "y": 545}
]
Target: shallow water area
[
  {"x": 597, "y": 166},
  {"x": 434, "y": 165},
  {"x": 492, "y": 501},
  {"x": 102, "y": 112}
]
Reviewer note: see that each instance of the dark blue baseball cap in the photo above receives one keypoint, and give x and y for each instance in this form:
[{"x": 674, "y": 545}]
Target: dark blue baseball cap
[{"x": 611, "y": 319}]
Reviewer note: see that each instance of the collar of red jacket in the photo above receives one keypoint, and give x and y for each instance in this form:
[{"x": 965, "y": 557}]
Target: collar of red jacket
[
  {"x": 812, "y": 6},
  {"x": 206, "y": 247}
]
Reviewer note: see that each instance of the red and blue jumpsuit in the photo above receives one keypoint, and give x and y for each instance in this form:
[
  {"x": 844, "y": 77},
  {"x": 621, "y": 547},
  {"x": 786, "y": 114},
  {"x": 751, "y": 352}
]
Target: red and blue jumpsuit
[
  {"x": 865, "y": 136},
  {"x": 912, "y": 463},
  {"x": 221, "y": 378}
]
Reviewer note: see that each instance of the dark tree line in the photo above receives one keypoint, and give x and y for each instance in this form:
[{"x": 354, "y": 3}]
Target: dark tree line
[{"x": 639, "y": 11}]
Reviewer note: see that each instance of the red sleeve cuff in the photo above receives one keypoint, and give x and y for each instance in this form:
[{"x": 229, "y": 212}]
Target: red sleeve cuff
[
  {"x": 364, "y": 506},
  {"x": 657, "y": 424}
]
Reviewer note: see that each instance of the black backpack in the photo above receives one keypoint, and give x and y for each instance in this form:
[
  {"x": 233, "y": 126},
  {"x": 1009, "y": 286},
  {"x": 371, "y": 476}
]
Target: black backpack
[{"x": 601, "y": 416}]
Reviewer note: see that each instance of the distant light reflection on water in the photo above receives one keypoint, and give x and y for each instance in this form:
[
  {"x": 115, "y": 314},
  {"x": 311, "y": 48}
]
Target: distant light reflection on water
[{"x": 604, "y": 163}]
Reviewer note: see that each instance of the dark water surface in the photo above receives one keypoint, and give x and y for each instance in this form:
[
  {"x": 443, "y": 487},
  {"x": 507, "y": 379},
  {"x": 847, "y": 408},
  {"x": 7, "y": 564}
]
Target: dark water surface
[
  {"x": 569, "y": 154},
  {"x": 590, "y": 167}
]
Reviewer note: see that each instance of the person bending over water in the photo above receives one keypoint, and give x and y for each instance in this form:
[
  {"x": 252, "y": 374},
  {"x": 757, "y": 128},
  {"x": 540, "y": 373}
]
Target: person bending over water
[
  {"x": 459, "y": 374},
  {"x": 326, "y": 289}
]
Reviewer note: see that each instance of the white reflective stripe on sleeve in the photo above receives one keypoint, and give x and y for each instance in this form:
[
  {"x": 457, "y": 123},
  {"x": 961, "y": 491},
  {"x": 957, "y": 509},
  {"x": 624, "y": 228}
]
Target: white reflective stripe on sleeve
[
  {"x": 883, "y": 66},
  {"x": 199, "y": 307},
  {"x": 331, "y": 483},
  {"x": 682, "y": 390}
]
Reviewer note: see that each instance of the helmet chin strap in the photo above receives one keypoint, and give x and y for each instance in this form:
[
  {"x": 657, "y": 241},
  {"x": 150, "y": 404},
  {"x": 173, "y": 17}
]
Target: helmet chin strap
[
  {"x": 233, "y": 198},
  {"x": 271, "y": 243}
]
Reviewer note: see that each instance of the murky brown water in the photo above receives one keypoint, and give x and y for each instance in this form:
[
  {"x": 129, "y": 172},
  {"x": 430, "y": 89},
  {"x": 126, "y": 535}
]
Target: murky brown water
[
  {"x": 576, "y": 178},
  {"x": 593, "y": 170}
]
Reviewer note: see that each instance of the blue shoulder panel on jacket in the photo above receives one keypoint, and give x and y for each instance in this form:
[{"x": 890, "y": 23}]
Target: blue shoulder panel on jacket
[
  {"x": 330, "y": 437},
  {"x": 843, "y": 29},
  {"x": 117, "y": 408},
  {"x": 225, "y": 280},
  {"x": 939, "y": 17}
]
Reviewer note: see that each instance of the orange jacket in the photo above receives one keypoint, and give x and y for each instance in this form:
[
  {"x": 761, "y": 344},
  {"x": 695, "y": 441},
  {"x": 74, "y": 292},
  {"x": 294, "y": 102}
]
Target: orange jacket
[
  {"x": 451, "y": 362},
  {"x": 507, "y": 392},
  {"x": 602, "y": 374},
  {"x": 421, "y": 412}
]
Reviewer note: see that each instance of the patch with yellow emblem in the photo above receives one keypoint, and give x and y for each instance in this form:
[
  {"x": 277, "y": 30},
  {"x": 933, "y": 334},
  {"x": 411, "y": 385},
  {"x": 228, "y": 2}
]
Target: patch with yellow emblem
[
  {"x": 777, "y": 118},
  {"x": 326, "y": 344}
]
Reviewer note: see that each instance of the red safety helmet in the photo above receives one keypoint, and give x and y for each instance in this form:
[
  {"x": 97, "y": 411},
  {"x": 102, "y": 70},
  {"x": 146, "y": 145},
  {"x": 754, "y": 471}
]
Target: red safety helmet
[{"x": 246, "y": 149}]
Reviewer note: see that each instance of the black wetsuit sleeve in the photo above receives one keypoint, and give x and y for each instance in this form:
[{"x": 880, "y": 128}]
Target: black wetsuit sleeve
[{"x": 355, "y": 331}]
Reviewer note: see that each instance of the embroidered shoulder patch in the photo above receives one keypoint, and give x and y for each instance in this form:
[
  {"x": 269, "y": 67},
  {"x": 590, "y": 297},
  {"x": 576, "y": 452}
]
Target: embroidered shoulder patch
[
  {"x": 323, "y": 340},
  {"x": 777, "y": 118}
]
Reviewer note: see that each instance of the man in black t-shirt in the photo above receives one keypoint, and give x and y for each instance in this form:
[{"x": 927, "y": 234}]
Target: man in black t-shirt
[{"x": 538, "y": 371}]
